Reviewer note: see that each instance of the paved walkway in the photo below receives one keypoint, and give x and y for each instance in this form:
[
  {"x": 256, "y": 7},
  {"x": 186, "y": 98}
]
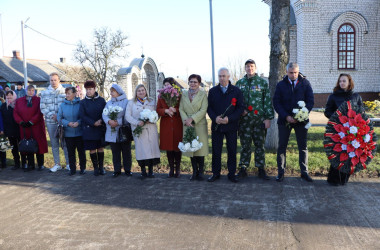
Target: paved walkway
[{"x": 42, "y": 210}]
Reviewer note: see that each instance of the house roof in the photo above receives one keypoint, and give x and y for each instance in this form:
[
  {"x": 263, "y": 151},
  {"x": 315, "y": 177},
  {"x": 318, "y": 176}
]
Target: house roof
[{"x": 12, "y": 70}]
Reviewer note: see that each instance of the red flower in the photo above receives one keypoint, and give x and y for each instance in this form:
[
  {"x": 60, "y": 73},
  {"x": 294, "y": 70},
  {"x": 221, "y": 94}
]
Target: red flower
[
  {"x": 233, "y": 102},
  {"x": 351, "y": 113},
  {"x": 363, "y": 158},
  {"x": 343, "y": 157},
  {"x": 350, "y": 148},
  {"x": 250, "y": 108},
  {"x": 338, "y": 147},
  {"x": 354, "y": 160},
  {"x": 343, "y": 119},
  {"x": 256, "y": 112}
]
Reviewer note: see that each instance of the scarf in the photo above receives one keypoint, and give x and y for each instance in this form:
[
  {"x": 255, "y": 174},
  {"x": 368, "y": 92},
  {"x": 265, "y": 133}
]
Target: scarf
[
  {"x": 29, "y": 101},
  {"x": 141, "y": 100},
  {"x": 13, "y": 101},
  {"x": 192, "y": 93}
]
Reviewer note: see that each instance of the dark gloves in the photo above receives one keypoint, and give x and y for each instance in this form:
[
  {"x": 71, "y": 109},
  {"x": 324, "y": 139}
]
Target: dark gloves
[
  {"x": 26, "y": 124},
  {"x": 29, "y": 124},
  {"x": 23, "y": 124}
]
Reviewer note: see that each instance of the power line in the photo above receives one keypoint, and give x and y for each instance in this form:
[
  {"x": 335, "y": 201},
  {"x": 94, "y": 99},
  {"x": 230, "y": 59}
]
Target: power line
[{"x": 26, "y": 26}]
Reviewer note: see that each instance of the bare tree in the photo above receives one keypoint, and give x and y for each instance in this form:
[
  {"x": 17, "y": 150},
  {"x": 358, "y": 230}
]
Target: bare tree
[
  {"x": 236, "y": 68},
  {"x": 279, "y": 56},
  {"x": 101, "y": 54}
]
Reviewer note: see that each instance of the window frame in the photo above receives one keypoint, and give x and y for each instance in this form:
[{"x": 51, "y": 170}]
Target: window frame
[{"x": 346, "y": 51}]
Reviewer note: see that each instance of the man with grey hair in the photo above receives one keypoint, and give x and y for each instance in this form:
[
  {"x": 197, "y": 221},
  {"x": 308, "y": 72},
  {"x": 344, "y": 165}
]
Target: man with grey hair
[
  {"x": 255, "y": 120},
  {"x": 292, "y": 89},
  {"x": 51, "y": 99},
  {"x": 225, "y": 105}
]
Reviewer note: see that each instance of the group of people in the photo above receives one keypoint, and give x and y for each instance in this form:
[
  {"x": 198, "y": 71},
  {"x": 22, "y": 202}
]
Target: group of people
[{"x": 245, "y": 110}]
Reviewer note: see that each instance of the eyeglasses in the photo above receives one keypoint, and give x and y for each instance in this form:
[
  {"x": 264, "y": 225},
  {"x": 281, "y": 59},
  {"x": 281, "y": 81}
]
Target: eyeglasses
[{"x": 193, "y": 81}]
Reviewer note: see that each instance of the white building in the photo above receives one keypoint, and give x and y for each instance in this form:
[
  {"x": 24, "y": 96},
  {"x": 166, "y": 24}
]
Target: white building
[{"x": 328, "y": 38}]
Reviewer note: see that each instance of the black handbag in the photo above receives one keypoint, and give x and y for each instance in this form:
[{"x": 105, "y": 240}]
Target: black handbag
[
  {"x": 60, "y": 134},
  {"x": 125, "y": 133},
  {"x": 28, "y": 145}
]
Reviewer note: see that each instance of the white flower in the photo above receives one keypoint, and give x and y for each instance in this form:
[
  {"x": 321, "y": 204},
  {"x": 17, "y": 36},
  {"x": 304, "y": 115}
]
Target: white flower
[
  {"x": 186, "y": 147},
  {"x": 180, "y": 146},
  {"x": 153, "y": 117},
  {"x": 353, "y": 130},
  {"x": 308, "y": 125},
  {"x": 351, "y": 154},
  {"x": 355, "y": 143},
  {"x": 295, "y": 111},
  {"x": 341, "y": 134},
  {"x": 344, "y": 147},
  {"x": 194, "y": 144},
  {"x": 367, "y": 138},
  {"x": 346, "y": 124},
  {"x": 105, "y": 111},
  {"x": 301, "y": 104}
]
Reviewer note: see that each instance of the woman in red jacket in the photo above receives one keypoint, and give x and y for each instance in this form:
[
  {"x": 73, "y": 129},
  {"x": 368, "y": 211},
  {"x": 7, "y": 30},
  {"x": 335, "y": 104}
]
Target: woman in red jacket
[
  {"x": 170, "y": 131},
  {"x": 28, "y": 114}
]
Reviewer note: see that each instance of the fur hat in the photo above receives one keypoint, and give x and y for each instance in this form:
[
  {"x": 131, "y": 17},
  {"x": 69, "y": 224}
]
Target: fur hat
[{"x": 89, "y": 84}]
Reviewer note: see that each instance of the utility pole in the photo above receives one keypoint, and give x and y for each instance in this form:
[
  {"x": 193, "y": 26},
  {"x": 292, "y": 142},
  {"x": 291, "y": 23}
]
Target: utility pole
[
  {"x": 212, "y": 46},
  {"x": 23, "y": 53}
]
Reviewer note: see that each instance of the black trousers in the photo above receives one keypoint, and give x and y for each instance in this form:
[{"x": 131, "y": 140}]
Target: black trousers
[
  {"x": 14, "y": 141},
  {"x": 301, "y": 136},
  {"x": 40, "y": 159},
  {"x": 217, "y": 145},
  {"x": 76, "y": 143},
  {"x": 118, "y": 149}
]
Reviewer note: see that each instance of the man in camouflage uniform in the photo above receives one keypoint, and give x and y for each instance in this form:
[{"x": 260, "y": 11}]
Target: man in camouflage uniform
[{"x": 255, "y": 119}]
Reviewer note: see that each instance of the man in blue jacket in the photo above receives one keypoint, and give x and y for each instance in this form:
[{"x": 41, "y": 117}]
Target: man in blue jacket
[
  {"x": 292, "y": 89},
  {"x": 225, "y": 105}
]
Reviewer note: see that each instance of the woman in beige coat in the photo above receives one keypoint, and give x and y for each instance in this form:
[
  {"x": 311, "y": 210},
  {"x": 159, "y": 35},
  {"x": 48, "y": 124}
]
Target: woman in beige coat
[
  {"x": 146, "y": 144},
  {"x": 193, "y": 109}
]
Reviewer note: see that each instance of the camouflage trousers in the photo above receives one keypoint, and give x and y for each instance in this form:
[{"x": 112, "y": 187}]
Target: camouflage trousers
[{"x": 248, "y": 131}]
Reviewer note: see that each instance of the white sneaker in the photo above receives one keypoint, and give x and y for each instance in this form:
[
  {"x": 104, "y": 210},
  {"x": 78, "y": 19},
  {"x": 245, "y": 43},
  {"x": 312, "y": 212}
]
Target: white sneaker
[
  {"x": 68, "y": 167},
  {"x": 55, "y": 168}
]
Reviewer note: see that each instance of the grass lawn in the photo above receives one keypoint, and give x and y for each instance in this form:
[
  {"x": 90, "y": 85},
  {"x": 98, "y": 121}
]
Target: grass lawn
[{"x": 318, "y": 163}]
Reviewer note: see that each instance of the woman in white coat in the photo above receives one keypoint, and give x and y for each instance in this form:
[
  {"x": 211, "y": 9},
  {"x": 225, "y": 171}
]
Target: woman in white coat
[{"x": 146, "y": 144}]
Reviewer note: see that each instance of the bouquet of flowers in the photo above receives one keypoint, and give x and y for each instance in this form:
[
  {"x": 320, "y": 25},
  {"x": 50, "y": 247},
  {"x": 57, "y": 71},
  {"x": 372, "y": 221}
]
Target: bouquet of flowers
[
  {"x": 112, "y": 112},
  {"x": 146, "y": 115},
  {"x": 350, "y": 141},
  {"x": 190, "y": 141},
  {"x": 250, "y": 109},
  {"x": 4, "y": 144},
  {"x": 170, "y": 94},
  {"x": 301, "y": 113},
  {"x": 233, "y": 103}
]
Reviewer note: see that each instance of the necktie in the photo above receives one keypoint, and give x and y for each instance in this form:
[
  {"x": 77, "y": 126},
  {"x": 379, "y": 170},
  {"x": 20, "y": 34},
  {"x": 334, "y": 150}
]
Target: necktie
[
  {"x": 224, "y": 89},
  {"x": 292, "y": 85}
]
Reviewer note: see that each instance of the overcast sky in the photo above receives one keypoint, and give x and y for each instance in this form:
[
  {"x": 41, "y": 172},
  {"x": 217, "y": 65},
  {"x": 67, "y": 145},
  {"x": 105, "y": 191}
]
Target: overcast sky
[{"x": 174, "y": 33}]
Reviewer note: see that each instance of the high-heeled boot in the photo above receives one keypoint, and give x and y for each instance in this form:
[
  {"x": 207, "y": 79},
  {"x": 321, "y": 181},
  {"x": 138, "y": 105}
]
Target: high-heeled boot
[
  {"x": 170, "y": 155},
  {"x": 177, "y": 163},
  {"x": 101, "y": 163},
  {"x": 194, "y": 165},
  {"x": 201, "y": 164},
  {"x": 95, "y": 163}
]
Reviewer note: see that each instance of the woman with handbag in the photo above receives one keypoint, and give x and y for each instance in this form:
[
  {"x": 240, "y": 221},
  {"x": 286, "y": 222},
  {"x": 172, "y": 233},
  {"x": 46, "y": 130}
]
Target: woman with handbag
[
  {"x": 171, "y": 129},
  {"x": 12, "y": 129},
  {"x": 68, "y": 117},
  {"x": 90, "y": 112},
  {"x": 116, "y": 126},
  {"x": 27, "y": 114}
]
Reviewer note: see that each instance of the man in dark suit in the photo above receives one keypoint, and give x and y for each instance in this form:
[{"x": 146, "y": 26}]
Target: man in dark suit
[
  {"x": 222, "y": 97},
  {"x": 292, "y": 89}
]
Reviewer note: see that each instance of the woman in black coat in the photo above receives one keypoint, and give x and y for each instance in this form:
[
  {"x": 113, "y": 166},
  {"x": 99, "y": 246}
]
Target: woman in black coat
[
  {"x": 343, "y": 92},
  {"x": 90, "y": 112},
  {"x": 12, "y": 129}
]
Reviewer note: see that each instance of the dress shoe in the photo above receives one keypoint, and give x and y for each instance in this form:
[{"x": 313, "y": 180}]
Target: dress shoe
[
  {"x": 263, "y": 175},
  {"x": 193, "y": 177},
  {"x": 306, "y": 177},
  {"x": 102, "y": 171},
  {"x": 40, "y": 168},
  {"x": 116, "y": 174},
  {"x": 128, "y": 173},
  {"x": 213, "y": 178},
  {"x": 233, "y": 178},
  {"x": 72, "y": 173},
  {"x": 280, "y": 177},
  {"x": 243, "y": 172},
  {"x": 82, "y": 171}
]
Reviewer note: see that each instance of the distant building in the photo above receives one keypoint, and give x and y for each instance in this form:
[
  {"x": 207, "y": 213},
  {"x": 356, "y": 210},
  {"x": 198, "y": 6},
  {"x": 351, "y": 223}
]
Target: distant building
[{"x": 328, "y": 38}]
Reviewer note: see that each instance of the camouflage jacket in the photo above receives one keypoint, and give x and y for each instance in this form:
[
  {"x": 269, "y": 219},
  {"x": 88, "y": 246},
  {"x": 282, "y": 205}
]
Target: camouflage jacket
[{"x": 256, "y": 94}]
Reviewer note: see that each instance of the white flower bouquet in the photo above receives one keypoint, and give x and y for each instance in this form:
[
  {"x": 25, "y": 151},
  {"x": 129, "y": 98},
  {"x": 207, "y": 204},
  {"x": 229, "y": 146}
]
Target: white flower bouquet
[
  {"x": 190, "y": 141},
  {"x": 146, "y": 115},
  {"x": 4, "y": 144},
  {"x": 112, "y": 112},
  {"x": 301, "y": 114}
]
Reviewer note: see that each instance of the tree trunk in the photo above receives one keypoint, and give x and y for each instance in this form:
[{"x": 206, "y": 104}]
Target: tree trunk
[{"x": 279, "y": 57}]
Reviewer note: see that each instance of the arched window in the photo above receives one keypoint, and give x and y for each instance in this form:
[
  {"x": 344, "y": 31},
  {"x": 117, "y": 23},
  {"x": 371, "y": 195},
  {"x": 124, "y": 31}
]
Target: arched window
[{"x": 346, "y": 47}]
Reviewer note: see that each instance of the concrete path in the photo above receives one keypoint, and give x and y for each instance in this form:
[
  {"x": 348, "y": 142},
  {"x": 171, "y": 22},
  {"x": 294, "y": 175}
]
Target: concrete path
[{"x": 42, "y": 210}]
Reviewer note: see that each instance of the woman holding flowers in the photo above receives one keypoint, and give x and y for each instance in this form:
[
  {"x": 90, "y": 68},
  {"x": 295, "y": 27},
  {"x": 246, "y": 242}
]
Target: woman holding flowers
[
  {"x": 68, "y": 116},
  {"x": 193, "y": 109},
  {"x": 141, "y": 114},
  {"x": 343, "y": 92},
  {"x": 91, "y": 109},
  {"x": 171, "y": 124},
  {"x": 113, "y": 117}
]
